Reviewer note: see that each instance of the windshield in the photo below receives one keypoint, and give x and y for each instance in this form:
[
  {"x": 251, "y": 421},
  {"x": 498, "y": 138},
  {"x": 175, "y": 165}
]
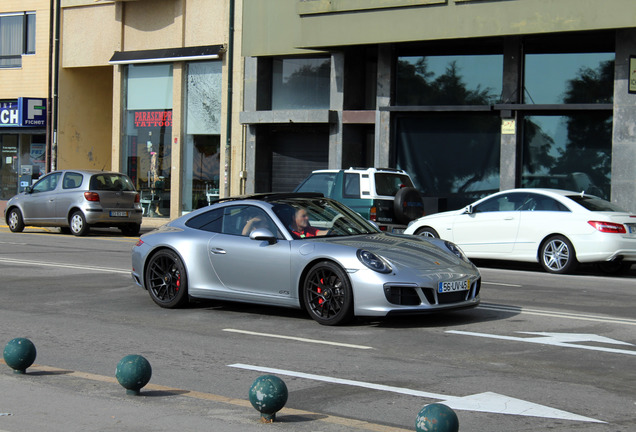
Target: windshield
[
  {"x": 593, "y": 203},
  {"x": 320, "y": 217}
]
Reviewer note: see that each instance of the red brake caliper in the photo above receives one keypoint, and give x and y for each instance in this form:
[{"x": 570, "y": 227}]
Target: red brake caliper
[{"x": 320, "y": 300}]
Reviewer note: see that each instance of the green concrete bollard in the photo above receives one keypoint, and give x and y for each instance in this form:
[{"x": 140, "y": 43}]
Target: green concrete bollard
[
  {"x": 133, "y": 372},
  {"x": 19, "y": 354},
  {"x": 436, "y": 417},
  {"x": 268, "y": 395}
]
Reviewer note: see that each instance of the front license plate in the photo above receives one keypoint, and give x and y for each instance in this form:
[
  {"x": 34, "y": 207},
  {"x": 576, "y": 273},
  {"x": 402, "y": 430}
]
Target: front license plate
[
  {"x": 119, "y": 214},
  {"x": 445, "y": 287}
]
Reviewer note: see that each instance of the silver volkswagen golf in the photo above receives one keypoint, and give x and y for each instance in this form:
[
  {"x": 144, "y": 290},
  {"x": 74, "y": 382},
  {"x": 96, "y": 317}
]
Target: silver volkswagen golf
[
  {"x": 76, "y": 200},
  {"x": 301, "y": 251}
]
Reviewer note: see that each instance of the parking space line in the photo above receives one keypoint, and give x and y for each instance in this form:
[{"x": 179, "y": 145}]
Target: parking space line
[
  {"x": 299, "y": 339},
  {"x": 68, "y": 266},
  {"x": 555, "y": 314}
]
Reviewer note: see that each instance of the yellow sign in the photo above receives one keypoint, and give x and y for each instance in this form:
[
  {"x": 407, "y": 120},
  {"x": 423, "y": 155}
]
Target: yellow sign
[{"x": 508, "y": 127}]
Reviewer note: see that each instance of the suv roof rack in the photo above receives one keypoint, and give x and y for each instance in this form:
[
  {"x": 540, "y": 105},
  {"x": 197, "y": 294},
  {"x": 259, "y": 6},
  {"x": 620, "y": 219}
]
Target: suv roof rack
[{"x": 377, "y": 169}]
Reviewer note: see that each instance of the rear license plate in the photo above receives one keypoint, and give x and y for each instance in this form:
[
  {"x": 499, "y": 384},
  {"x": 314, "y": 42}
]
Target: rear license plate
[
  {"x": 119, "y": 214},
  {"x": 445, "y": 287}
]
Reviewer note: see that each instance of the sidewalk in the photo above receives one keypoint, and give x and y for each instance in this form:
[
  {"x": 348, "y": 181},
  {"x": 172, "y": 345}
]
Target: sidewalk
[{"x": 56, "y": 400}]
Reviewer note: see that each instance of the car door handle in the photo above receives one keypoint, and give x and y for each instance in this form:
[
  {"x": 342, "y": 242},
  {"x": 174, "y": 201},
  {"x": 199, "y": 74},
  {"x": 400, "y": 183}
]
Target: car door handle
[
  {"x": 509, "y": 218},
  {"x": 218, "y": 251}
]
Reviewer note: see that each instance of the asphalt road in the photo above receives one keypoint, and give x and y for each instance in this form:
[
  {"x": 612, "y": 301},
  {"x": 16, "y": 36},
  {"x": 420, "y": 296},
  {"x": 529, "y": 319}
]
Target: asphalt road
[{"x": 542, "y": 352}]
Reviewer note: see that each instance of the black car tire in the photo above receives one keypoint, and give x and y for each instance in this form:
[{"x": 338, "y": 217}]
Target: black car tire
[
  {"x": 427, "y": 232},
  {"x": 327, "y": 294},
  {"x": 166, "y": 280},
  {"x": 78, "y": 225},
  {"x": 557, "y": 255},
  {"x": 15, "y": 221},
  {"x": 130, "y": 230},
  {"x": 408, "y": 205}
]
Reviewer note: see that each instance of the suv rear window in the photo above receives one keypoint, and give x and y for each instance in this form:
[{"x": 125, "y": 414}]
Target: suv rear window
[{"x": 389, "y": 184}]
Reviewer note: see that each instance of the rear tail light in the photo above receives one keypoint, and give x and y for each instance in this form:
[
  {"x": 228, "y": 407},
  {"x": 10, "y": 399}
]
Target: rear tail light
[
  {"x": 91, "y": 196},
  {"x": 608, "y": 227},
  {"x": 137, "y": 198},
  {"x": 373, "y": 214}
]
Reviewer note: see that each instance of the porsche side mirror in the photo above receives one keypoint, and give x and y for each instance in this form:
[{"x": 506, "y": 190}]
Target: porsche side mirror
[{"x": 263, "y": 234}]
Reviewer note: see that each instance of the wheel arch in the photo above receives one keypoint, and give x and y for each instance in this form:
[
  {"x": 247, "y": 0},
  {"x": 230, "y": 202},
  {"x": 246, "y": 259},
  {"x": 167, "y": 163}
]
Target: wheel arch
[
  {"x": 546, "y": 238},
  {"x": 305, "y": 271},
  {"x": 70, "y": 213},
  {"x": 8, "y": 210},
  {"x": 154, "y": 252}
]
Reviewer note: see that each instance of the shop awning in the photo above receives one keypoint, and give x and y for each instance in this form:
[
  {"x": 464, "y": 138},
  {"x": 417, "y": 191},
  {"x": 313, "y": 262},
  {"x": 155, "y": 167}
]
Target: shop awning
[{"x": 205, "y": 52}]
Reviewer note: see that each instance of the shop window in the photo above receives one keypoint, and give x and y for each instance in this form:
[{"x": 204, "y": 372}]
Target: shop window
[
  {"x": 17, "y": 37},
  {"x": 572, "y": 152},
  {"x": 569, "y": 78},
  {"x": 148, "y": 132},
  {"x": 454, "y": 157},
  {"x": 300, "y": 83},
  {"x": 203, "y": 135},
  {"x": 449, "y": 80}
]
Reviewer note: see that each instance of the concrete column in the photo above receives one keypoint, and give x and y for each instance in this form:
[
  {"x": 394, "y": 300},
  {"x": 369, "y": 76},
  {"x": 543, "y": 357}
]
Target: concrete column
[
  {"x": 381, "y": 152},
  {"x": 176, "y": 174},
  {"x": 508, "y": 161},
  {"x": 336, "y": 105},
  {"x": 250, "y": 92},
  {"x": 624, "y": 129},
  {"x": 115, "y": 161}
]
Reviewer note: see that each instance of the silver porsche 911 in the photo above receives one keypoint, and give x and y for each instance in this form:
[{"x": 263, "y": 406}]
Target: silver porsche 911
[{"x": 301, "y": 251}]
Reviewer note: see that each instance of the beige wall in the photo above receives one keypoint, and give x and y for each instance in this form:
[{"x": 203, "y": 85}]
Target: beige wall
[
  {"x": 31, "y": 80},
  {"x": 85, "y": 118},
  {"x": 89, "y": 136}
]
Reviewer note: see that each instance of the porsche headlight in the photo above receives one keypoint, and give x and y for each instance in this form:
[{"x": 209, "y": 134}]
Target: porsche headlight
[
  {"x": 373, "y": 261},
  {"x": 456, "y": 250}
]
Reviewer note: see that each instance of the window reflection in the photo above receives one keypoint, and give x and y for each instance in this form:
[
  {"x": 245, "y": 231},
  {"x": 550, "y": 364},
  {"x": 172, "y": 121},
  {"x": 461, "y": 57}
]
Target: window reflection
[
  {"x": 566, "y": 78},
  {"x": 449, "y": 80},
  {"x": 455, "y": 156},
  {"x": 570, "y": 152},
  {"x": 300, "y": 83}
]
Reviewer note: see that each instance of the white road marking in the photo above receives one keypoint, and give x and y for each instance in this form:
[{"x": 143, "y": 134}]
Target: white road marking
[
  {"x": 555, "y": 314},
  {"x": 560, "y": 340},
  {"x": 502, "y": 284},
  {"x": 60, "y": 265},
  {"x": 482, "y": 402},
  {"x": 299, "y": 339}
]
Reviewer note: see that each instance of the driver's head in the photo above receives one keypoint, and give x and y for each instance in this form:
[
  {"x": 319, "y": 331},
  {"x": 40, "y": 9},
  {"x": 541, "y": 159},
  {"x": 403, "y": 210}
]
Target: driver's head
[{"x": 301, "y": 219}]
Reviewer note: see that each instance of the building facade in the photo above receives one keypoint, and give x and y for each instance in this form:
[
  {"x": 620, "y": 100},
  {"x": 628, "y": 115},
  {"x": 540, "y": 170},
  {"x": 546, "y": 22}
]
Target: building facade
[
  {"x": 468, "y": 96},
  {"x": 24, "y": 92},
  {"x": 144, "y": 90}
]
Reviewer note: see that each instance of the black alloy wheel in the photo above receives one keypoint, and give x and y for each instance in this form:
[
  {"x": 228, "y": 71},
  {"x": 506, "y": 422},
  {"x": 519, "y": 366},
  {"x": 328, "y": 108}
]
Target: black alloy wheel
[
  {"x": 327, "y": 294},
  {"x": 165, "y": 278}
]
